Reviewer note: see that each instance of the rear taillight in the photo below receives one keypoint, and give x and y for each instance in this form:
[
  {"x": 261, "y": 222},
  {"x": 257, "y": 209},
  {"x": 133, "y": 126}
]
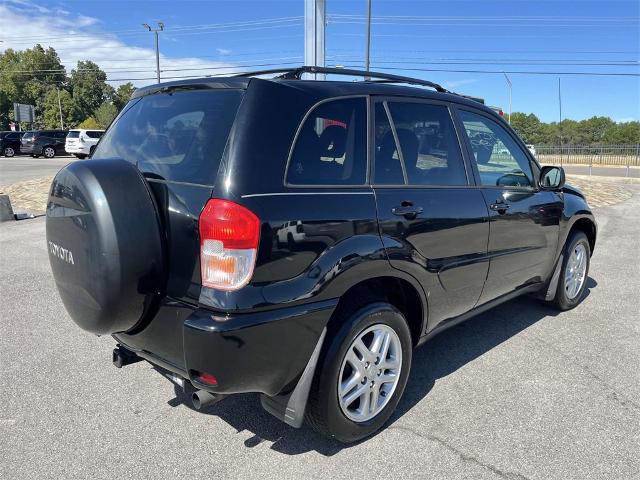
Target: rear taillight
[{"x": 229, "y": 235}]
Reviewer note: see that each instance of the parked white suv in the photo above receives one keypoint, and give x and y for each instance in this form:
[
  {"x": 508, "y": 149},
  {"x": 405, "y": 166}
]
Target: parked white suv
[
  {"x": 80, "y": 142},
  {"x": 532, "y": 149}
]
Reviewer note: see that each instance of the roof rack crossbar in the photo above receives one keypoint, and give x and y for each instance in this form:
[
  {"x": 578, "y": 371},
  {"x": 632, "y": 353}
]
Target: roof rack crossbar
[{"x": 296, "y": 74}]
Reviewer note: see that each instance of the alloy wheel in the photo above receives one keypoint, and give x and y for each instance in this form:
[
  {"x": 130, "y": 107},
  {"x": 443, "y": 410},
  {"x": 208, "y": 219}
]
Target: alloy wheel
[
  {"x": 369, "y": 373},
  {"x": 49, "y": 152},
  {"x": 576, "y": 271}
]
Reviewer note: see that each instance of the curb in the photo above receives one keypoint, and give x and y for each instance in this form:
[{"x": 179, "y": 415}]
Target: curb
[{"x": 6, "y": 211}]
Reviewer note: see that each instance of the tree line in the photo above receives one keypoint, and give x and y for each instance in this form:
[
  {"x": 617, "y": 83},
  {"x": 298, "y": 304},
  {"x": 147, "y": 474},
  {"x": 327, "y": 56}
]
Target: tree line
[
  {"x": 592, "y": 131},
  {"x": 36, "y": 76}
]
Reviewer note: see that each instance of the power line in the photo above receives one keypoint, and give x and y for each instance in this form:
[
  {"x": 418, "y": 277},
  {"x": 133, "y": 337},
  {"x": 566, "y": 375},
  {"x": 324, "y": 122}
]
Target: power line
[
  {"x": 136, "y": 32},
  {"x": 517, "y": 72},
  {"x": 180, "y": 33}
]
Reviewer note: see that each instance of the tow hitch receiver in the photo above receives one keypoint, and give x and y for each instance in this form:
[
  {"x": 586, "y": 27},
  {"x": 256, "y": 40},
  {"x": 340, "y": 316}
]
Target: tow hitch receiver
[{"x": 123, "y": 357}]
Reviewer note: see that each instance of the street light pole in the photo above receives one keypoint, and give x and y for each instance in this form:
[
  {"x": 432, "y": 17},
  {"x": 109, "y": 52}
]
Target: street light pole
[
  {"x": 155, "y": 31},
  {"x": 60, "y": 109},
  {"x": 368, "y": 46},
  {"x": 508, "y": 83}
]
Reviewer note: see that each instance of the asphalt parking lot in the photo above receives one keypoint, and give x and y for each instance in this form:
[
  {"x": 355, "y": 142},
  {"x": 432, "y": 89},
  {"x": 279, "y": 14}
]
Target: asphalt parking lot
[
  {"x": 21, "y": 167},
  {"x": 520, "y": 392}
]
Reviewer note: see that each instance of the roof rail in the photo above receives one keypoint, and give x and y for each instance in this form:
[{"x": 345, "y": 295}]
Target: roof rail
[{"x": 296, "y": 74}]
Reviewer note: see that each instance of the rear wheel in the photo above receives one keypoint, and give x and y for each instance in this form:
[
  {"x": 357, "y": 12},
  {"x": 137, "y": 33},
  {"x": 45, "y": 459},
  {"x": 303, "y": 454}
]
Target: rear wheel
[
  {"x": 49, "y": 152},
  {"x": 8, "y": 152},
  {"x": 362, "y": 374},
  {"x": 572, "y": 281}
]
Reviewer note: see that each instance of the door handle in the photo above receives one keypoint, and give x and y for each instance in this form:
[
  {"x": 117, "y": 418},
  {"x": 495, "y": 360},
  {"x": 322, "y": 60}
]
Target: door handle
[
  {"x": 407, "y": 210},
  {"x": 500, "y": 206}
]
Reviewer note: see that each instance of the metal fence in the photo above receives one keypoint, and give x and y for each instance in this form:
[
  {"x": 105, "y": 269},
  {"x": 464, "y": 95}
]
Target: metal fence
[{"x": 622, "y": 155}]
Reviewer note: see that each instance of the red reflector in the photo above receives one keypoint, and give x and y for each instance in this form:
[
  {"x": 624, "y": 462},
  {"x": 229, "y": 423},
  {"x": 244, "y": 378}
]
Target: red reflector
[
  {"x": 207, "y": 378},
  {"x": 232, "y": 224}
]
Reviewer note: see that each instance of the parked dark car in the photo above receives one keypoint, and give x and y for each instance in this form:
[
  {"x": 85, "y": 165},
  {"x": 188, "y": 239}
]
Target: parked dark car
[
  {"x": 46, "y": 143},
  {"x": 299, "y": 238},
  {"x": 10, "y": 143}
]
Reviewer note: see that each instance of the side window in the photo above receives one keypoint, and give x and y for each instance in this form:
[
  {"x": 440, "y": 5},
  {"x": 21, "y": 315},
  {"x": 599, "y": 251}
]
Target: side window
[
  {"x": 387, "y": 166},
  {"x": 499, "y": 158},
  {"x": 331, "y": 148},
  {"x": 93, "y": 134},
  {"x": 428, "y": 143}
]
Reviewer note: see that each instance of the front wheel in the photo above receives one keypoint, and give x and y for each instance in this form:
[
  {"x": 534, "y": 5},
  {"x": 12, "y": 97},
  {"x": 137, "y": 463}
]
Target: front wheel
[
  {"x": 572, "y": 282},
  {"x": 8, "y": 152},
  {"x": 49, "y": 152},
  {"x": 362, "y": 374}
]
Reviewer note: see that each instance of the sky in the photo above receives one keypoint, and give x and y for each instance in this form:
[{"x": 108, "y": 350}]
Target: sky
[{"x": 463, "y": 45}]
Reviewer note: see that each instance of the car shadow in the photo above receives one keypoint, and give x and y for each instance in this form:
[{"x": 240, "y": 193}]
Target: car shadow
[{"x": 439, "y": 357}]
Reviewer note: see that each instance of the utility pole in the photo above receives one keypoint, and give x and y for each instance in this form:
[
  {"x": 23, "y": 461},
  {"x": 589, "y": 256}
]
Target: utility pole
[
  {"x": 155, "y": 31},
  {"x": 315, "y": 20},
  {"x": 60, "y": 109},
  {"x": 560, "y": 124},
  {"x": 510, "y": 85},
  {"x": 367, "y": 53}
]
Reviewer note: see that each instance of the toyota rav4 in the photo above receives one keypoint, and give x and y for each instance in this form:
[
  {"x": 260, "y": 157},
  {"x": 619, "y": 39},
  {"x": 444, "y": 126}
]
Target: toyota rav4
[{"x": 298, "y": 237}]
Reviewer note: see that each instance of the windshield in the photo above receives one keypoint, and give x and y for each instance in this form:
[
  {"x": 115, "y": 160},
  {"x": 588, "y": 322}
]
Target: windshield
[
  {"x": 27, "y": 135},
  {"x": 178, "y": 136},
  {"x": 73, "y": 134}
]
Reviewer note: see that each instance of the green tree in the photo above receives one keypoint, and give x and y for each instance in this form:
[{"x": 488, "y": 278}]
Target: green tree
[
  {"x": 123, "y": 95},
  {"x": 26, "y": 76},
  {"x": 528, "y": 127},
  {"x": 90, "y": 123},
  {"x": 88, "y": 84},
  {"x": 105, "y": 113},
  {"x": 51, "y": 108}
]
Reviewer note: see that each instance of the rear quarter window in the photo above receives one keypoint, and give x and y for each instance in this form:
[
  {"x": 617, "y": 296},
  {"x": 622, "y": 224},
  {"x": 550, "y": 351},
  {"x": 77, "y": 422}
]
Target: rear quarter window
[
  {"x": 331, "y": 146},
  {"x": 176, "y": 136}
]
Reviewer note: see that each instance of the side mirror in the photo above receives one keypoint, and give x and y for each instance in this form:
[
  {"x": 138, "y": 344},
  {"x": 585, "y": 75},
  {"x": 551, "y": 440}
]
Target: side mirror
[{"x": 552, "y": 178}]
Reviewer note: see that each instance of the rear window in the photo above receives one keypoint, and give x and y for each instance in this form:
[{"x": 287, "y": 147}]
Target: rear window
[
  {"x": 176, "y": 136},
  {"x": 93, "y": 133},
  {"x": 73, "y": 134}
]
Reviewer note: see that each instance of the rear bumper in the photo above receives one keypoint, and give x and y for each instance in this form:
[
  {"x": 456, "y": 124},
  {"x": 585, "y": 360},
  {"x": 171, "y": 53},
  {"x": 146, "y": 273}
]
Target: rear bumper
[
  {"x": 74, "y": 149},
  {"x": 262, "y": 352}
]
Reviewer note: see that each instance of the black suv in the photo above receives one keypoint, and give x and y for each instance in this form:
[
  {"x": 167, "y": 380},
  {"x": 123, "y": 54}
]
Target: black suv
[
  {"x": 299, "y": 238},
  {"x": 47, "y": 143},
  {"x": 10, "y": 143}
]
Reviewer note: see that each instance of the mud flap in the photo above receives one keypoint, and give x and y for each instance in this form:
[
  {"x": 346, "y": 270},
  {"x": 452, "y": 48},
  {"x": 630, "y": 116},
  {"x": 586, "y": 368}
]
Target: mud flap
[
  {"x": 553, "y": 284},
  {"x": 290, "y": 407}
]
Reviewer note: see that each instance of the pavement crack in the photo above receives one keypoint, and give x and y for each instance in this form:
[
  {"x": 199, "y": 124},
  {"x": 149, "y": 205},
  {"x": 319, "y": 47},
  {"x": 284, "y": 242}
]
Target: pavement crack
[
  {"x": 613, "y": 394},
  {"x": 466, "y": 458}
]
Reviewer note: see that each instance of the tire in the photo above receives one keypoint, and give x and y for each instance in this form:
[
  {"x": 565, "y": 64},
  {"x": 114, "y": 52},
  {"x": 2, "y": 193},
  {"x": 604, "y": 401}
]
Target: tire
[
  {"x": 33, "y": 155},
  {"x": 48, "y": 152},
  {"x": 567, "y": 297},
  {"x": 8, "y": 152},
  {"x": 324, "y": 413}
]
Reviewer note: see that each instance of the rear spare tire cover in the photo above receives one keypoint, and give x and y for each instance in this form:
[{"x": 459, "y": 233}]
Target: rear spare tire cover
[{"x": 105, "y": 244}]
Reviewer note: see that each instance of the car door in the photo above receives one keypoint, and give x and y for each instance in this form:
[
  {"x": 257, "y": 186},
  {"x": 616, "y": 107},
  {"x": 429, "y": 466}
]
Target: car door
[
  {"x": 524, "y": 219},
  {"x": 433, "y": 221}
]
